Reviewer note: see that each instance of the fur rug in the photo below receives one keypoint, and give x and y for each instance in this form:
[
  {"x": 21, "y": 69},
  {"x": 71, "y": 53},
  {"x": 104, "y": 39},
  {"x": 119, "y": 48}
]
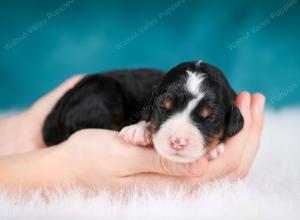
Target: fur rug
[{"x": 271, "y": 191}]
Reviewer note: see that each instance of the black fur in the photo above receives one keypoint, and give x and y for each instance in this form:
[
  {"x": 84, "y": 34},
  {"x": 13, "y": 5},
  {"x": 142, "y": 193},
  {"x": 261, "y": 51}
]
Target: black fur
[
  {"x": 116, "y": 99},
  {"x": 225, "y": 120},
  {"x": 109, "y": 100}
]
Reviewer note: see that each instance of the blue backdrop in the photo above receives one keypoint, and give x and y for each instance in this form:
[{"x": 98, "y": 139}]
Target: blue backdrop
[{"x": 256, "y": 43}]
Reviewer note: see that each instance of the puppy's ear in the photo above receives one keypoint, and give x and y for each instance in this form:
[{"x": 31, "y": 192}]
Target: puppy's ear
[{"x": 235, "y": 121}]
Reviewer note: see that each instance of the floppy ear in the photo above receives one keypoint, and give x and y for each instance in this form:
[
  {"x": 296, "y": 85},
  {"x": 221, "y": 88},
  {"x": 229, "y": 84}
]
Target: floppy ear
[{"x": 235, "y": 121}]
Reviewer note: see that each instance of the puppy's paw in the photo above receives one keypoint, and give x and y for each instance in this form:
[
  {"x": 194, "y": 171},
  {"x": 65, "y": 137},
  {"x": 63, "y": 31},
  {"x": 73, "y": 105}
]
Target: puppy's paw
[
  {"x": 220, "y": 149},
  {"x": 214, "y": 153},
  {"x": 138, "y": 134}
]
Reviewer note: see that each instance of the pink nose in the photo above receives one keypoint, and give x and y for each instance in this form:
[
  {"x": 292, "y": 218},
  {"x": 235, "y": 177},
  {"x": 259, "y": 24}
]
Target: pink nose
[{"x": 178, "y": 143}]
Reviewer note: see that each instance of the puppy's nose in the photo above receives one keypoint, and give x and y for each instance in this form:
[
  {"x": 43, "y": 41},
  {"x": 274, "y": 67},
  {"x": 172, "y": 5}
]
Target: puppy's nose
[{"x": 178, "y": 143}]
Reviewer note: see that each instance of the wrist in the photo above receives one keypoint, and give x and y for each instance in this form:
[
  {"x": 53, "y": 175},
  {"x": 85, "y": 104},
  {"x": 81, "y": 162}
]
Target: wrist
[
  {"x": 63, "y": 170},
  {"x": 83, "y": 164},
  {"x": 73, "y": 165}
]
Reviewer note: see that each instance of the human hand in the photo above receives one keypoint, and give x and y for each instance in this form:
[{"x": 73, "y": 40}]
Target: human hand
[
  {"x": 100, "y": 158},
  {"x": 104, "y": 160},
  {"x": 23, "y": 132},
  {"x": 240, "y": 150},
  {"x": 32, "y": 120}
]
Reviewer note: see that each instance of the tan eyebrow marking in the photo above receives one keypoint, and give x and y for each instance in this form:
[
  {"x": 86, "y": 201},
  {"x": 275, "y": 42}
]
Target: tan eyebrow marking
[
  {"x": 205, "y": 112},
  {"x": 168, "y": 103}
]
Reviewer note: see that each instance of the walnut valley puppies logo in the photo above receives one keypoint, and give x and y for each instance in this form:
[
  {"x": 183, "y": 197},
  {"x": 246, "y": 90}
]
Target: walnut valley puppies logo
[
  {"x": 284, "y": 93},
  {"x": 38, "y": 25},
  {"x": 148, "y": 107},
  {"x": 262, "y": 24},
  {"x": 148, "y": 25}
]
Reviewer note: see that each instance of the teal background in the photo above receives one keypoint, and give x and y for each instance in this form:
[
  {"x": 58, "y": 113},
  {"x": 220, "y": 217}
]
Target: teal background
[{"x": 84, "y": 37}]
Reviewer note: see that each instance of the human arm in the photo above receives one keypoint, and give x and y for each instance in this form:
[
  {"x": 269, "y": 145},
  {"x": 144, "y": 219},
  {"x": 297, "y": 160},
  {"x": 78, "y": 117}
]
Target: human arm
[{"x": 86, "y": 156}]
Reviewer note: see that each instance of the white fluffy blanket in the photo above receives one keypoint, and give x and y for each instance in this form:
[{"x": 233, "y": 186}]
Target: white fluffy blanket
[{"x": 271, "y": 191}]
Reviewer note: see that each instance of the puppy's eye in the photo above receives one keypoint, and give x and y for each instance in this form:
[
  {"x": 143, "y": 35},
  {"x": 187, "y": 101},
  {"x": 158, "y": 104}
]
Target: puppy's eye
[
  {"x": 167, "y": 103},
  {"x": 205, "y": 112}
]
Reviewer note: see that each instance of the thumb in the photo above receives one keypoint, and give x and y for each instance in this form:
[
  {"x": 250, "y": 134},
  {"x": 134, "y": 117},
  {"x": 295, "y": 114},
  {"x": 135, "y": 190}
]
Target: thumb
[{"x": 150, "y": 161}]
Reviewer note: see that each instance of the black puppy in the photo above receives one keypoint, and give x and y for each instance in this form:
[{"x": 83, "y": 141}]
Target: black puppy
[{"x": 185, "y": 113}]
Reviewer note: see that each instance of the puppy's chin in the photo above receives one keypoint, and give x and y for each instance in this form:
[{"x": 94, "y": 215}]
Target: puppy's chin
[{"x": 179, "y": 157}]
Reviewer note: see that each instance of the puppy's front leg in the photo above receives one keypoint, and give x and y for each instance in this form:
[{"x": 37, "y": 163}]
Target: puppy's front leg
[{"x": 138, "y": 134}]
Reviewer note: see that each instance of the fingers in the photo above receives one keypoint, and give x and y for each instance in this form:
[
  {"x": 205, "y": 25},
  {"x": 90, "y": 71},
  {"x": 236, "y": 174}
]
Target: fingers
[
  {"x": 237, "y": 142},
  {"x": 231, "y": 158},
  {"x": 158, "y": 183},
  {"x": 257, "y": 108},
  {"x": 147, "y": 160},
  {"x": 128, "y": 159},
  {"x": 235, "y": 162},
  {"x": 243, "y": 102}
]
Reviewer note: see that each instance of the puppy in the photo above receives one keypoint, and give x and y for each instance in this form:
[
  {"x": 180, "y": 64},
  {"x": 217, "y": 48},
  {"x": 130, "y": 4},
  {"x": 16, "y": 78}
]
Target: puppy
[
  {"x": 186, "y": 113},
  {"x": 109, "y": 100}
]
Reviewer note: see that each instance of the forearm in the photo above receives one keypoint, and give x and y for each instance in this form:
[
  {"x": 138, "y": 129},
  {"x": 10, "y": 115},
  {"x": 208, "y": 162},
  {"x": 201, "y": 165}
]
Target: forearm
[
  {"x": 46, "y": 168},
  {"x": 17, "y": 134},
  {"x": 10, "y": 130}
]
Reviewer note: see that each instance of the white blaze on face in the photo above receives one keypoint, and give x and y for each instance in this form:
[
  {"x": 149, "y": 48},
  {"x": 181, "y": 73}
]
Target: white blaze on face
[{"x": 190, "y": 145}]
